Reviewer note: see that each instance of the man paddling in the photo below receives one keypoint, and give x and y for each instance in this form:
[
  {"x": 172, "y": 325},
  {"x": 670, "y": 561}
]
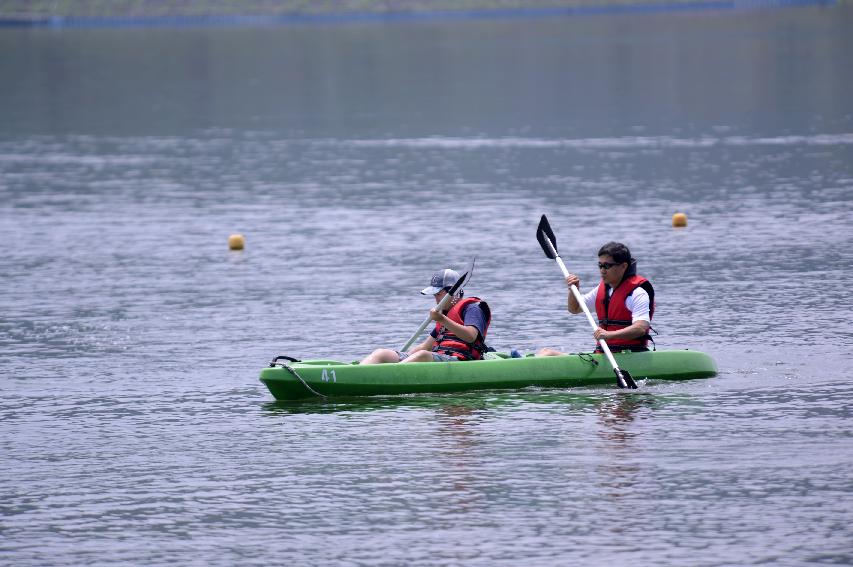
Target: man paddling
[
  {"x": 623, "y": 301},
  {"x": 459, "y": 333}
]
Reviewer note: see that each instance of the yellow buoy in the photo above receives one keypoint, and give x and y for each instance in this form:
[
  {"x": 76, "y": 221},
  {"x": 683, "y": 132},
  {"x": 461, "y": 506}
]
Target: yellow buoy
[
  {"x": 236, "y": 242},
  {"x": 679, "y": 220}
]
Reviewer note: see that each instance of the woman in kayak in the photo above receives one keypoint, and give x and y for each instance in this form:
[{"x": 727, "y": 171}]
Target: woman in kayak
[
  {"x": 459, "y": 333},
  {"x": 623, "y": 301}
]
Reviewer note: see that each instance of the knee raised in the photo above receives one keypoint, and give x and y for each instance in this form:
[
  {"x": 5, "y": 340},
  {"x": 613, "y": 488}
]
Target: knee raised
[
  {"x": 548, "y": 352},
  {"x": 420, "y": 356},
  {"x": 381, "y": 355}
]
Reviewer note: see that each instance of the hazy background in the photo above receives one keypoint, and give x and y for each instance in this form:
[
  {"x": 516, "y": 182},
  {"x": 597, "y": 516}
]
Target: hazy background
[{"x": 357, "y": 159}]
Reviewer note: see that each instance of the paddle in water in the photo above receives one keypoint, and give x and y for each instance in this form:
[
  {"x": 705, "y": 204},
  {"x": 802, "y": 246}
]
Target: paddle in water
[
  {"x": 548, "y": 241},
  {"x": 463, "y": 279}
]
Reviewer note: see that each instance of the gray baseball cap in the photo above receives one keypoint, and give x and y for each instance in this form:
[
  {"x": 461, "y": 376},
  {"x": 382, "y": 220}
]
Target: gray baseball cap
[{"x": 440, "y": 280}]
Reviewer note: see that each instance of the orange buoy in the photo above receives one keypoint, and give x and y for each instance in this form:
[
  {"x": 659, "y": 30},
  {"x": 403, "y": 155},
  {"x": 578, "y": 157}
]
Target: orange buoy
[
  {"x": 236, "y": 242},
  {"x": 679, "y": 220}
]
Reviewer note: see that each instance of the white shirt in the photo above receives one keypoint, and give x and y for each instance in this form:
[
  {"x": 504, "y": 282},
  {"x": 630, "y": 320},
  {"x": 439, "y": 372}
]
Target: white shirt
[{"x": 637, "y": 303}]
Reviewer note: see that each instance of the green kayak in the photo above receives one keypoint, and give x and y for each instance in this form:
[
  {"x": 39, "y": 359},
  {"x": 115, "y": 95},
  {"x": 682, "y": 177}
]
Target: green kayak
[{"x": 288, "y": 379}]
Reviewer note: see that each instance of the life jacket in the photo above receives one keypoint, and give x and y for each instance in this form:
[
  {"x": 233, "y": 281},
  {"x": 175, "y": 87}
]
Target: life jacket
[
  {"x": 613, "y": 313},
  {"x": 448, "y": 343}
]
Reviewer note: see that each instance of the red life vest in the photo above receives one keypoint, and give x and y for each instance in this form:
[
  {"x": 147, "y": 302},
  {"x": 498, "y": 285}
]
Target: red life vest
[
  {"x": 613, "y": 314},
  {"x": 448, "y": 343}
]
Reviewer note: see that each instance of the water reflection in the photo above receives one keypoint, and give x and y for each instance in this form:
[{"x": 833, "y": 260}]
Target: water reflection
[
  {"x": 459, "y": 405},
  {"x": 617, "y": 416},
  {"x": 461, "y": 420},
  {"x": 614, "y": 412},
  {"x": 458, "y": 456},
  {"x": 621, "y": 410}
]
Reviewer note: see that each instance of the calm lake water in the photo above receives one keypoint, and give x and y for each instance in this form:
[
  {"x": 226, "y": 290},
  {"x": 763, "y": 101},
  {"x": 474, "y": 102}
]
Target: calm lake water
[{"x": 357, "y": 159}]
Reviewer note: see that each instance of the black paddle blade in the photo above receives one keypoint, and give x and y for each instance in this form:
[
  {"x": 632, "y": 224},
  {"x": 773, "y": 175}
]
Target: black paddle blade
[
  {"x": 624, "y": 379},
  {"x": 459, "y": 283},
  {"x": 546, "y": 238},
  {"x": 463, "y": 279}
]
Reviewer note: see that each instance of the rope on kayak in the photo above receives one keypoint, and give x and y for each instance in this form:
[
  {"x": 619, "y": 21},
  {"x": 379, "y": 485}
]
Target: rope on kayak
[
  {"x": 587, "y": 358},
  {"x": 304, "y": 383},
  {"x": 284, "y": 365}
]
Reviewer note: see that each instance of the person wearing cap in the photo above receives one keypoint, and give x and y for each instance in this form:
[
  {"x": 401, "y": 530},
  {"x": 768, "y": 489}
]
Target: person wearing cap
[
  {"x": 623, "y": 301},
  {"x": 459, "y": 333}
]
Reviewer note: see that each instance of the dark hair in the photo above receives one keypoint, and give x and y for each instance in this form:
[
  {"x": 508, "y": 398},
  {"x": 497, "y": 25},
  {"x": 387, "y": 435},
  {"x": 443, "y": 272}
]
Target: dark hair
[{"x": 616, "y": 250}]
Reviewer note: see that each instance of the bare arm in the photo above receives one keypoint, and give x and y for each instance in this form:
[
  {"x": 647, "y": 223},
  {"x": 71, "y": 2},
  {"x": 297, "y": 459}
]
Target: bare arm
[
  {"x": 573, "y": 305},
  {"x": 634, "y": 330},
  {"x": 426, "y": 345},
  {"x": 467, "y": 333}
]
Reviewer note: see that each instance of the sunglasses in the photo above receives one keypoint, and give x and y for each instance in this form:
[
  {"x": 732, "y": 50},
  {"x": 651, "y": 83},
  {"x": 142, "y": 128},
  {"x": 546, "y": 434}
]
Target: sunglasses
[{"x": 607, "y": 265}]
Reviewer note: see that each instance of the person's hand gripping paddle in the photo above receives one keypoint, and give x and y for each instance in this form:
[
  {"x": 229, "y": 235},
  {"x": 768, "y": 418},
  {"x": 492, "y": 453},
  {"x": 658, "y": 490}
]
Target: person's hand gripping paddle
[
  {"x": 548, "y": 241},
  {"x": 463, "y": 279}
]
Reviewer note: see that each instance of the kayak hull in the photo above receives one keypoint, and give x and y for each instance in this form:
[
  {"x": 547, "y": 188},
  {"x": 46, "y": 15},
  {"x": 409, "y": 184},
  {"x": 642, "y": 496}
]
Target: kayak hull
[{"x": 329, "y": 378}]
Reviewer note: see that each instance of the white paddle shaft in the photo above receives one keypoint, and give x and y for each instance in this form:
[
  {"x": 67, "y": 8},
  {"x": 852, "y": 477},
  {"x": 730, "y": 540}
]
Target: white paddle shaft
[
  {"x": 589, "y": 318},
  {"x": 439, "y": 307}
]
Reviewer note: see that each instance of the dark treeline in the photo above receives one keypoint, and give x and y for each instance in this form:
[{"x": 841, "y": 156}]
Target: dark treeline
[{"x": 41, "y": 9}]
